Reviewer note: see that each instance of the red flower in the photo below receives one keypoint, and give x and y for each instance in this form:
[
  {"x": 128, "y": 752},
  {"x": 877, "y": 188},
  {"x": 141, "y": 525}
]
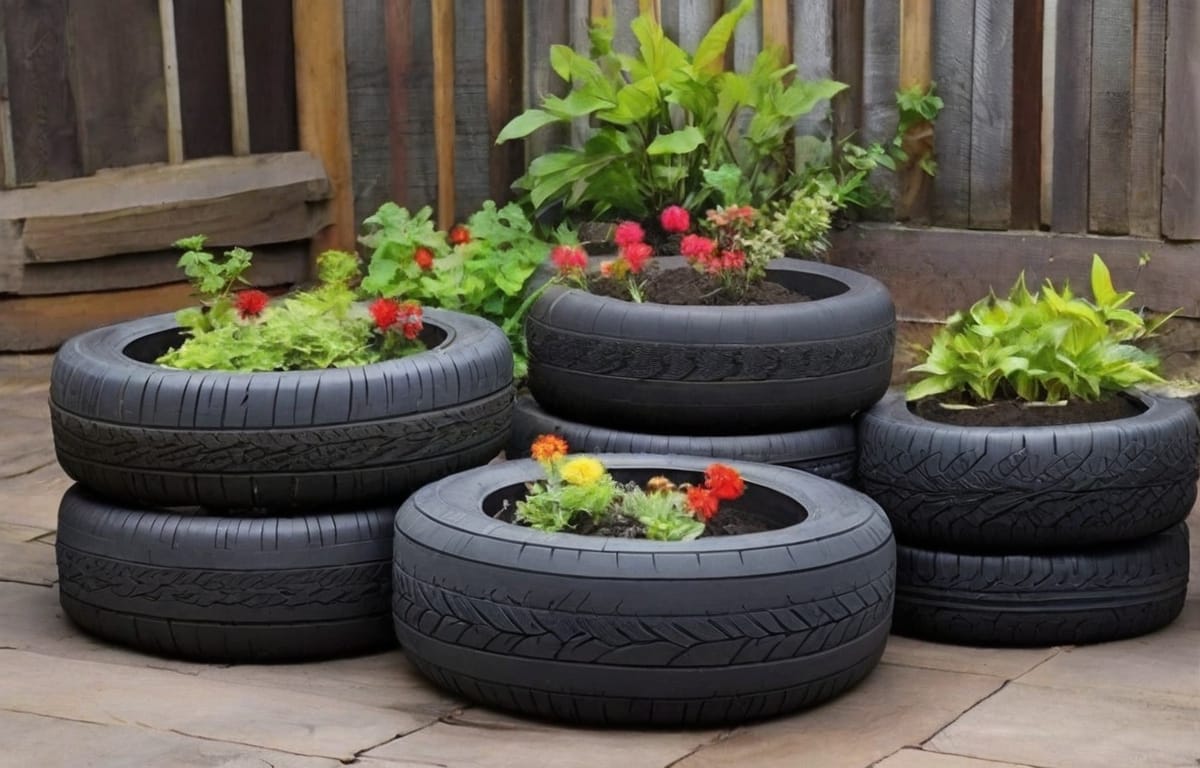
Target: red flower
[
  {"x": 629, "y": 233},
  {"x": 568, "y": 259},
  {"x": 724, "y": 482},
  {"x": 411, "y": 323},
  {"x": 675, "y": 219},
  {"x": 636, "y": 255},
  {"x": 733, "y": 260},
  {"x": 250, "y": 303},
  {"x": 424, "y": 258},
  {"x": 702, "y": 502},
  {"x": 695, "y": 247},
  {"x": 459, "y": 235},
  {"x": 386, "y": 313}
]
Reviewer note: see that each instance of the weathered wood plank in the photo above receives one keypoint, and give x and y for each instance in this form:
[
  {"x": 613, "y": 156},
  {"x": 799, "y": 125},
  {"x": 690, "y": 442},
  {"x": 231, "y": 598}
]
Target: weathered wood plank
[
  {"x": 367, "y": 92},
  {"x": 933, "y": 272},
  {"x": 777, "y": 26},
  {"x": 12, "y": 257},
  {"x": 322, "y": 105},
  {"x": 444, "y": 109},
  {"x": 504, "y": 78},
  {"x": 747, "y": 37},
  {"x": 916, "y": 70},
  {"x": 580, "y": 19},
  {"x": 848, "y": 67},
  {"x": 1027, "y": 114},
  {"x": 236, "y": 201},
  {"x": 812, "y": 52},
  {"x": 203, "y": 79},
  {"x": 1112, "y": 85},
  {"x": 170, "y": 63},
  {"x": 1145, "y": 163},
  {"x": 1181, "y": 139},
  {"x": 881, "y": 77},
  {"x": 117, "y": 80},
  {"x": 271, "y": 77},
  {"x": 953, "y": 55},
  {"x": 991, "y": 115},
  {"x": 45, "y": 133},
  {"x": 1072, "y": 110},
  {"x": 1049, "y": 39},
  {"x": 471, "y": 135},
  {"x": 235, "y": 53},
  {"x": 8, "y": 163},
  {"x": 686, "y": 21},
  {"x": 546, "y": 24},
  {"x": 410, "y": 73}
]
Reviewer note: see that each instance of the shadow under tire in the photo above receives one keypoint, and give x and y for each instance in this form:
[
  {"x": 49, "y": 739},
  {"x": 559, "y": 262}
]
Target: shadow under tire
[
  {"x": 633, "y": 632},
  {"x": 1090, "y": 596},
  {"x": 136, "y": 431},
  {"x": 226, "y": 589}
]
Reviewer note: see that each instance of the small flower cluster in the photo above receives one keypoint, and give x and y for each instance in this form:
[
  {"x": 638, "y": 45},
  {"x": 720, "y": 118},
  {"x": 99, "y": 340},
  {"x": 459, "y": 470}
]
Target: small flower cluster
[
  {"x": 633, "y": 252},
  {"x": 250, "y": 304},
  {"x": 580, "y": 488},
  {"x": 391, "y": 315}
]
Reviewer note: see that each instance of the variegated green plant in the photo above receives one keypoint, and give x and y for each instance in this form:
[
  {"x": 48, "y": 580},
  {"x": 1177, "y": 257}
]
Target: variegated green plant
[{"x": 1050, "y": 346}]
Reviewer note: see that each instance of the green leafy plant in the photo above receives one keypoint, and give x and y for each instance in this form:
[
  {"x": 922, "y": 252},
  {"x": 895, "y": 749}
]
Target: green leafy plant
[
  {"x": 918, "y": 107},
  {"x": 1046, "y": 347},
  {"x": 803, "y": 222},
  {"x": 482, "y": 267},
  {"x": 669, "y": 127},
  {"x": 309, "y": 330}
]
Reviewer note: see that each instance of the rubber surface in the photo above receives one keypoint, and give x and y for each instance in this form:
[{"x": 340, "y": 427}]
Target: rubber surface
[
  {"x": 830, "y": 451},
  {"x": 715, "y": 370},
  {"x": 1005, "y": 489},
  {"x": 224, "y": 588},
  {"x": 618, "y": 631},
  {"x": 150, "y": 435},
  {"x": 1103, "y": 594}
]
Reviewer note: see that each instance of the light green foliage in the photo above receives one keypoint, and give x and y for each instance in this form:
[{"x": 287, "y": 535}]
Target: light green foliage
[
  {"x": 917, "y": 105},
  {"x": 1045, "y": 347},
  {"x": 556, "y": 506},
  {"x": 663, "y": 515},
  {"x": 485, "y": 276},
  {"x": 661, "y": 118},
  {"x": 802, "y": 224}
]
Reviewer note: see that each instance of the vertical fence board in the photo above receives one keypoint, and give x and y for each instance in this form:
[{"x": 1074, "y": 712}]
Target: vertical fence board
[
  {"x": 1026, "y": 192},
  {"x": 203, "y": 79},
  {"x": 916, "y": 70},
  {"x": 881, "y": 77},
  {"x": 848, "y": 66},
  {"x": 368, "y": 95},
  {"x": 622, "y": 12},
  {"x": 1181, "y": 137},
  {"x": 812, "y": 51},
  {"x": 1112, "y": 83},
  {"x": 1049, "y": 41},
  {"x": 45, "y": 143},
  {"x": 1145, "y": 163},
  {"x": 410, "y": 74},
  {"x": 271, "y": 76},
  {"x": 777, "y": 26},
  {"x": 470, "y": 108},
  {"x": 747, "y": 37},
  {"x": 546, "y": 24},
  {"x": 953, "y": 54},
  {"x": 8, "y": 164},
  {"x": 686, "y": 21},
  {"x": 991, "y": 115},
  {"x": 580, "y": 14},
  {"x": 444, "y": 110},
  {"x": 117, "y": 79},
  {"x": 166, "y": 14},
  {"x": 504, "y": 47},
  {"x": 1072, "y": 109}
]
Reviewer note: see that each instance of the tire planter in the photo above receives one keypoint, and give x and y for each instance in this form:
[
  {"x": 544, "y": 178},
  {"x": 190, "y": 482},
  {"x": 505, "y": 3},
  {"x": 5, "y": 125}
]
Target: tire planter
[
  {"x": 829, "y": 451},
  {"x": 715, "y": 370},
  {"x": 619, "y": 631},
  {"x": 136, "y": 431},
  {"x": 1109, "y": 593},
  {"x": 226, "y": 588},
  {"x": 1028, "y": 489}
]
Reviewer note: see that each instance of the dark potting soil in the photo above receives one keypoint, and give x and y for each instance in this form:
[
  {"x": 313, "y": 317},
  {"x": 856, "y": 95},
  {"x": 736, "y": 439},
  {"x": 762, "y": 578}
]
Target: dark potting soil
[
  {"x": 1018, "y": 413},
  {"x": 729, "y": 521},
  {"x": 686, "y": 286}
]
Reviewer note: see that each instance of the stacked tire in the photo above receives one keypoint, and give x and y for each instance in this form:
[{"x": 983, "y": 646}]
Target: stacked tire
[
  {"x": 775, "y": 384},
  {"x": 1035, "y": 536},
  {"x": 248, "y": 516}
]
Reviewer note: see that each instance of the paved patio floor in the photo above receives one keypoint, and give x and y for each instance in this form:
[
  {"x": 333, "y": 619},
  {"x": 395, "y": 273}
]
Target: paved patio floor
[{"x": 68, "y": 700}]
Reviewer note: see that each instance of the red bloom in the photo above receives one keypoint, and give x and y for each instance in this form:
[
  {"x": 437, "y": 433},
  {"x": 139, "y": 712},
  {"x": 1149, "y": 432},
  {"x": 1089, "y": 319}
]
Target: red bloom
[
  {"x": 733, "y": 260},
  {"x": 636, "y": 255},
  {"x": 459, "y": 235},
  {"x": 629, "y": 233},
  {"x": 675, "y": 219},
  {"x": 702, "y": 502},
  {"x": 250, "y": 303},
  {"x": 694, "y": 247},
  {"x": 424, "y": 258},
  {"x": 411, "y": 324},
  {"x": 724, "y": 482},
  {"x": 386, "y": 313},
  {"x": 568, "y": 259}
]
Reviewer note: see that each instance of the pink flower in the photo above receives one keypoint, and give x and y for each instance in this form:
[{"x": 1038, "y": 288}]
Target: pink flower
[
  {"x": 606, "y": 268},
  {"x": 733, "y": 260},
  {"x": 694, "y": 247},
  {"x": 636, "y": 255},
  {"x": 568, "y": 259},
  {"x": 629, "y": 233},
  {"x": 675, "y": 219}
]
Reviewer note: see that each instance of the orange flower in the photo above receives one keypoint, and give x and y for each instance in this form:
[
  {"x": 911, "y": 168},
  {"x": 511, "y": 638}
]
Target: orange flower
[
  {"x": 724, "y": 482},
  {"x": 548, "y": 448},
  {"x": 702, "y": 502}
]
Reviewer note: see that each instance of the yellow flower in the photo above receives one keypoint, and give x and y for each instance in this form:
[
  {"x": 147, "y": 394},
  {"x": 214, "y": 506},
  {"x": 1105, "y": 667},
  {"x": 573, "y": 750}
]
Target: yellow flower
[{"x": 582, "y": 471}]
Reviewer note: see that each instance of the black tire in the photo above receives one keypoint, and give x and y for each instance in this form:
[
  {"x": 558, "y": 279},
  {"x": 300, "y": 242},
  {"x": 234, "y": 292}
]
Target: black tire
[
  {"x": 618, "y": 631},
  {"x": 715, "y": 370},
  {"x": 138, "y": 432},
  {"x": 223, "y": 588},
  {"x": 1006, "y": 489},
  {"x": 1092, "y": 596},
  {"x": 830, "y": 451}
]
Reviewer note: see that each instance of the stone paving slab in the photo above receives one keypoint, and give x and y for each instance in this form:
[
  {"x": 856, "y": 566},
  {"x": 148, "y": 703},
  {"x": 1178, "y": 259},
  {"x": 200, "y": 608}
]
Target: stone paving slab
[
  {"x": 917, "y": 758},
  {"x": 27, "y": 563},
  {"x": 69, "y": 744},
  {"x": 1008, "y": 663},
  {"x": 893, "y": 708},
  {"x": 1078, "y": 728},
  {"x": 479, "y": 738}
]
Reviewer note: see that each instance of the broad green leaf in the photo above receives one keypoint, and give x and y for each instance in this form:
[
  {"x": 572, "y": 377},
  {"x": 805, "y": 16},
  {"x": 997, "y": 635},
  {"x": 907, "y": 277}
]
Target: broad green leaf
[
  {"x": 524, "y": 124},
  {"x": 1102, "y": 287},
  {"x": 710, "y": 51},
  {"x": 678, "y": 142},
  {"x": 800, "y": 97},
  {"x": 934, "y": 385},
  {"x": 576, "y": 104}
]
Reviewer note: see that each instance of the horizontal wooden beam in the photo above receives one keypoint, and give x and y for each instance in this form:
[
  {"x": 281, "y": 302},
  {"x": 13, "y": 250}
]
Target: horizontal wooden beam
[
  {"x": 934, "y": 272},
  {"x": 235, "y": 201}
]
